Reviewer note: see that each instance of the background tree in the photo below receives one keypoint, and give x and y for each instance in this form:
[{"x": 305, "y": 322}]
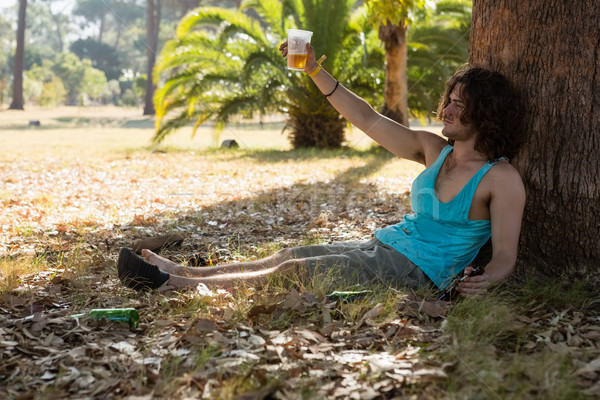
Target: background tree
[
  {"x": 7, "y": 37},
  {"x": 106, "y": 22},
  {"x": 176, "y": 9},
  {"x": 81, "y": 81},
  {"x": 47, "y": 26},
  {"x": 103, "y": 56},
  {"x": 152, "y": 30},
  {"x": 41, "y": 86},
  {"x": 552, "y": 53},
  {"x": 392, "y": 18},
  {"x": 17, "y": 94},
  {"x": 125, "y": 13},
  {"x": 95, "y": 12}
]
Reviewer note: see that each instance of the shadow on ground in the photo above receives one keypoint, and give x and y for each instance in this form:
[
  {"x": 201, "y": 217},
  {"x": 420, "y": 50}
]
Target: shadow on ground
[{"x": 342, "y": 208}]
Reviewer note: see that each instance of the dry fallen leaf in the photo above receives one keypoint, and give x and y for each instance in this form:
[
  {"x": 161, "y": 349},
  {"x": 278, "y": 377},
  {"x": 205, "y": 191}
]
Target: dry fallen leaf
[
  {"x": 261, "y": 309},
  {"x": 206, "y": 325},
  {"x": 592, "y": 366},
  {"x": 369, "y": 315},
  {"x": 293, "y": 300},
  {"x": 434, "y": 309}
]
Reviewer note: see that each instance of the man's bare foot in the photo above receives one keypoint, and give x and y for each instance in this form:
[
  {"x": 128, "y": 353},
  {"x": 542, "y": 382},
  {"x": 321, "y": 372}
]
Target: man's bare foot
[
  {"x": 161, "y": 262},
  {"x": 158, "y": 243},
  {"x": 171, "y": 267}
]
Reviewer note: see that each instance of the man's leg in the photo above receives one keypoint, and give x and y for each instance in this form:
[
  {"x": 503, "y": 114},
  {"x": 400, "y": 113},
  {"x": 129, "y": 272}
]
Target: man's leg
[
  {"x": 153, "y": 271},
  {"x": 252, "y": 278},
  {"x": 173, "y": 268},
  {"x": 279, "y": 257},
  {"x": 137, "y": 273}
]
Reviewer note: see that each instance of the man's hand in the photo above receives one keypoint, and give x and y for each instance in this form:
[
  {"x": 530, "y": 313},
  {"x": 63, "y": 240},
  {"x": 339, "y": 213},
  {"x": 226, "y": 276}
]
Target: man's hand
[
  {"x": 283, "y": 48},
  {"x": 477, "y": 284},
  {"x": 311, "y": 62}
]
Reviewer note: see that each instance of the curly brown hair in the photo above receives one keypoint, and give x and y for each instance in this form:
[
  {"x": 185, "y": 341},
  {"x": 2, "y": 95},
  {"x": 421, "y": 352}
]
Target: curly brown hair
[{"x": 494, "y": 108}]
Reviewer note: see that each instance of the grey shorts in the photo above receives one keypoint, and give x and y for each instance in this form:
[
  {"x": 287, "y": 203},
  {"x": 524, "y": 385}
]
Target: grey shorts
[{"x": 361, "y": 262}]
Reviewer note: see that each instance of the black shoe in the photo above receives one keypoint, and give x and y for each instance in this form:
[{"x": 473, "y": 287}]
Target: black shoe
[
  {"x": 137, "y": 273},
  {"x": 158, "y": 243}
]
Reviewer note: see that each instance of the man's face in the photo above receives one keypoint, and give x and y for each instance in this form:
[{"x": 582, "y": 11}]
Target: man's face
[{"x": 453, "y": 127}]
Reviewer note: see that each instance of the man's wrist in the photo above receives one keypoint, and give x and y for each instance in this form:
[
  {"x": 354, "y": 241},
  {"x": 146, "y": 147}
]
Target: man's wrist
[
  {"x": 315, "y": 71},
  {"x": 315, "y": 67}
]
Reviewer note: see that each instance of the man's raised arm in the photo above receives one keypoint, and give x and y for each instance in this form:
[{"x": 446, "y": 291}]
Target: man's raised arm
[{"x": 419, "y": 146}]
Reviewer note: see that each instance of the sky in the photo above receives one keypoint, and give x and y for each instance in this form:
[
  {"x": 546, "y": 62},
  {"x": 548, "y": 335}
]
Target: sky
[{"x": 58, "y": 6}]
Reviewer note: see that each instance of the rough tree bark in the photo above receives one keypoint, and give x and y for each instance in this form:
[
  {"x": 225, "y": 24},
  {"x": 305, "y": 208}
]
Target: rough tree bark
[
  {"x": 551, "y": 50},
  {"x": 396, "y": 86},
  {"x": 17, "y": 94}
]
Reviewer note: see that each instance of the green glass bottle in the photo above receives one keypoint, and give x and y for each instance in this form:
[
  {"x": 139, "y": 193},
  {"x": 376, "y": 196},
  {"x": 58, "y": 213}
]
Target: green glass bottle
[{"x": 127, "y": 315}]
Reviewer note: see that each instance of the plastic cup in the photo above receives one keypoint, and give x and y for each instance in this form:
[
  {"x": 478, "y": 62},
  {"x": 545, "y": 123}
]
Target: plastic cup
[{"x": 297, "y": 54}]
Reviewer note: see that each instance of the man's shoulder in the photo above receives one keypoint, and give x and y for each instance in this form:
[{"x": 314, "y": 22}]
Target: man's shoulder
[
  {"x": 504, "y": 177},
  {"x": 504, "y": 169},
  {"x": 432, "y": 146}
]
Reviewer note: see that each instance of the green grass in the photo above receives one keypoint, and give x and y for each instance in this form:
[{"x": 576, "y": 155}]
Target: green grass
[
  {"x": 489, "y": 346},
  {"x": 559, "y": 293},
  {"x": 13, "y": 268}
]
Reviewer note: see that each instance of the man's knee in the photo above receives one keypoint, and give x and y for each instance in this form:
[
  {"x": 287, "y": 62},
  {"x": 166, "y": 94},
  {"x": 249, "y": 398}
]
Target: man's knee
[
  {"x": 293, "y": 265},
  {"x": 285, "y": 254}
]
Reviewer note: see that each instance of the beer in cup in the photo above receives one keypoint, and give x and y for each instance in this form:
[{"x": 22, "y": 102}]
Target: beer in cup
[{"x": 297, "y": 40}]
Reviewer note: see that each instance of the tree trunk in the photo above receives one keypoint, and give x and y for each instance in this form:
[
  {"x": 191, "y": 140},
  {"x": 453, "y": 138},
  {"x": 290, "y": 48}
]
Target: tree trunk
[
  {"x": 550, "y": 49},
  {"x": 17, "y": 96},
  {"x": 321, "y": 128},
  {"x": 152, "y": 26},
  {"x": 119, "y": 27},
  {"x": 59, "y": 36},
  {"x": 396, "y": 86},
  {"x": 101, "y": 28}
]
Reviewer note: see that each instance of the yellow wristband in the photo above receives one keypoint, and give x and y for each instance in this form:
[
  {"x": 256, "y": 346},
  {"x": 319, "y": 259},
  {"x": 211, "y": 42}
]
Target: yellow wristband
[{"x": 315, "y": 72}]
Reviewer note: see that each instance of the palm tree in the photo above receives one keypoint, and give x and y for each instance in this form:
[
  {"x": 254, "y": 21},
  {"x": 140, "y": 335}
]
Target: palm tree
[
  {"x": 392, "y": 18},
  {"x": 420, "y": 55},
  {"x": 17, "y": 97},
  {"x": 235, "y": 67},
  {"x": 437, "y": 46}
]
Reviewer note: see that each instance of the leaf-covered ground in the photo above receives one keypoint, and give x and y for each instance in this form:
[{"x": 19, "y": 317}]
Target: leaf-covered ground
[{"x": 83, "y": 186}]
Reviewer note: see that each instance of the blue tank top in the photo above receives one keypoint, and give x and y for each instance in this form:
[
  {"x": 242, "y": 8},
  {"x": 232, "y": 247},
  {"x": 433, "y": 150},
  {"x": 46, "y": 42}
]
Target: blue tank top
[{"x": 439, "y": 237}]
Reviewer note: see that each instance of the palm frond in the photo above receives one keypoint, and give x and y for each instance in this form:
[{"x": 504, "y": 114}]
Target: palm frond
[
  {"x": 174, "y": 122},
  {"x": 203, "y": 16},
  {"x": 436, "y": 47},
  {"x": 293, "y": 13},
  {"x": 272, "y": 62},
  {"x": 235, "y": 105},
  {"x": 226, "y": 22},
  {"x": 271, "y": 11}
]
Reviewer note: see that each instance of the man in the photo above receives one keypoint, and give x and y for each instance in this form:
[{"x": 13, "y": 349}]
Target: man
[{"x": 468, "y": 193}]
